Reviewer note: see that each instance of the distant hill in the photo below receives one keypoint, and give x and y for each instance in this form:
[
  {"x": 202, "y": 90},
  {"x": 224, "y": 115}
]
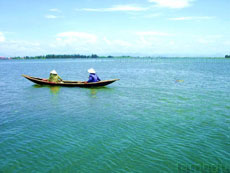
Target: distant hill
[{"x": 227, "y": 56}]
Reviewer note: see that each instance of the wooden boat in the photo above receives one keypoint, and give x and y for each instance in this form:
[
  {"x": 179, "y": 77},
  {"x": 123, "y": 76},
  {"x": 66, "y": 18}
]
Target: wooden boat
[{"x": 69, "y": 83}]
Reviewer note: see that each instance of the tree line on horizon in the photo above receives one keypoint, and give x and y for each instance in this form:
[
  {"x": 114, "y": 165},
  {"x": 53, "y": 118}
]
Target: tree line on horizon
[
  {"x": 63, "y": 56},
  {"x": 53, "y": 56}
]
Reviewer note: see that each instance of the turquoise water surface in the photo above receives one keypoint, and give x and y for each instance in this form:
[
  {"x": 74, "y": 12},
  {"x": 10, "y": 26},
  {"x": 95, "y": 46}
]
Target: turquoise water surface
[{"x": 164, "y": 115}]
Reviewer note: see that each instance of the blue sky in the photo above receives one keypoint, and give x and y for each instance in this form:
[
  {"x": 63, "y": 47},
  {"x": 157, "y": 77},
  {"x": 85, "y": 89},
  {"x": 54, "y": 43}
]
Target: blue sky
[{"x": 115, "y": 27}]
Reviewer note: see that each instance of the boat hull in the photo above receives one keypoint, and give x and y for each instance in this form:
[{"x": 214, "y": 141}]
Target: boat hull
[{"x": 40, "y": 81}]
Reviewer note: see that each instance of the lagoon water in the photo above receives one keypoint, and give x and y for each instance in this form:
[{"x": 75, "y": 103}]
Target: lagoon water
[{"x": 164, "y": 115}]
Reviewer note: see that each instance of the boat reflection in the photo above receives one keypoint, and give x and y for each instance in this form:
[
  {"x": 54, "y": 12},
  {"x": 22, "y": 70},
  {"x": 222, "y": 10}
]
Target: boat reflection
[
  {"x": 53, "y": 89},
  {"x": 94, "y": 92}
]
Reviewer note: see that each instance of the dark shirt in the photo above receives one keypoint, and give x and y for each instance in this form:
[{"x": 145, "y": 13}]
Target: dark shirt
[{"x": 93, "y": 78}]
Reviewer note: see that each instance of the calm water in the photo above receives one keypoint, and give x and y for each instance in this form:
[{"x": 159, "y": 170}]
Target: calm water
[{"x": 163, "y": 115}]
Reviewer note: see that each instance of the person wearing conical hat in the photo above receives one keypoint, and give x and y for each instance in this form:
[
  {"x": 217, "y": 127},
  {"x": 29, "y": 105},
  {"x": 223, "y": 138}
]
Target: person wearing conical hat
[
  {"x": 92, "y": 76},
  {"x": 54, "y": 77}
]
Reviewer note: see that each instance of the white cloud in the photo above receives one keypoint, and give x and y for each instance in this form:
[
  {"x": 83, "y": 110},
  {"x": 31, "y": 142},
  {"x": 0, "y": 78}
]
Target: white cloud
[
  {"x": 149, "y": 39},
  {"x": 21, "y": 48},
  {"x": 217, "y": 36},
  {"x": 172, "y": 3},
  {"x": 122, "y": 43},
  {"x": 76, "y": 37},
  {"x": 153, "y": 15},
  {"x": 50, "y": 16},
  {"x": 227, "y": 43},
  {"x": 116, "y": 8},
  {"x": 192, "y": 18},
  {"x": 172, "y": 43},
  {"x": 55, "y": 10},
  {"x": 156, "y": 42},
  {"x": 108, "y": 42},
  {"x": 25, "y": 43},
  {"x": 2, "y": 37},
  {"x": 205, "y": 41},
  {"x": 152, "y": 33}
]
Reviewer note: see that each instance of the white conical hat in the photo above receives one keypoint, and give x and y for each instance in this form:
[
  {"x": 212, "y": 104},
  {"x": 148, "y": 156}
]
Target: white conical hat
[
  {"x": 53, "y": 72},
  {"x": 91, "y": 70}
]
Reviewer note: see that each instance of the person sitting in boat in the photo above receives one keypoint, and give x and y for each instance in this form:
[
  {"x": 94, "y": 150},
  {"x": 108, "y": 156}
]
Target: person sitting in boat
[
  {"x": 92, "y": 76},
  {"x": 54, "y": 77}
]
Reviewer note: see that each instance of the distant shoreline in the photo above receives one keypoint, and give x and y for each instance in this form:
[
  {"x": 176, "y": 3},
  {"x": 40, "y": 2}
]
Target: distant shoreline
[
  {"x": 52, "y": 56},
  {"x": 93, "y": 56}
]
